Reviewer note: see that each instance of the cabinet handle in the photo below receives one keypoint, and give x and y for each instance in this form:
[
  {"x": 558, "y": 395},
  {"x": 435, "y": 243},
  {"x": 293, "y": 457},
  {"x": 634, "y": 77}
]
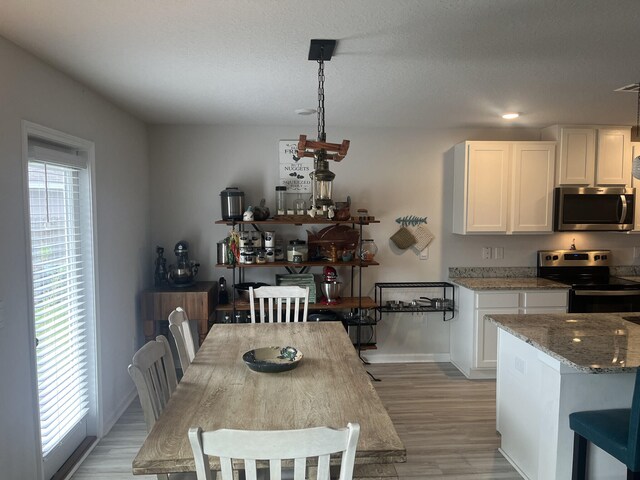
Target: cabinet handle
[{"x": 623, "y": 215}]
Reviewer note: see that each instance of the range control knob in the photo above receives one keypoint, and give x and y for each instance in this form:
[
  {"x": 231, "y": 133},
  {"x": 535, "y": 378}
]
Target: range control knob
[
  {"x": 548, "y": 257},
  {"x": 604, "y": 257},
  {"x": 597, "y": 257},
  {"x": 555, "y": 257}
]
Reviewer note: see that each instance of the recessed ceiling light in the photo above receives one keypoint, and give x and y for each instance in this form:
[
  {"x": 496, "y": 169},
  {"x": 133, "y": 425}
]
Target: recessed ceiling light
[
  {"x": 510, "y": 115},
  {"x": 305, "y": 111}
]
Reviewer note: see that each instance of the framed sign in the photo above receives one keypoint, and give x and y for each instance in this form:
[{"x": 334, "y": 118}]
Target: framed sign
[{"x": 294, "y": 171}]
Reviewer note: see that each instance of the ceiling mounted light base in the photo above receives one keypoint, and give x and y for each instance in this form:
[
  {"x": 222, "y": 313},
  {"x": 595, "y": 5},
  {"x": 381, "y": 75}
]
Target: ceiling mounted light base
[{"x": 321, "y": 49}]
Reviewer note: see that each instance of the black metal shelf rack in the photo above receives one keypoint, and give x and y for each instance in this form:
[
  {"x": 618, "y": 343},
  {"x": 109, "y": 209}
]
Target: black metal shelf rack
[{"x": 448, "y": 293}]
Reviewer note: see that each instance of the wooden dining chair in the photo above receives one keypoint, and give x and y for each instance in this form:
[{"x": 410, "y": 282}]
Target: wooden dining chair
[
  {"x": 273, "y": 301},
  {"x": 616, "y": 431},
  {"x": 154, "y": 373},
  {"x": 270, "y": 448},
  {"x": 181, "y": 331}
]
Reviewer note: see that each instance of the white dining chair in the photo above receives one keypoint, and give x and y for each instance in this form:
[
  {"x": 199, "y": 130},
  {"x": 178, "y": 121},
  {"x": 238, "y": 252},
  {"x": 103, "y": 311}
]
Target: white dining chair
[
  {"x": 154, "y": 374},
  {"x": 272, "y": 447},
  {"x": 273, "y": 301},
  {"x": 181, "y": 331}
]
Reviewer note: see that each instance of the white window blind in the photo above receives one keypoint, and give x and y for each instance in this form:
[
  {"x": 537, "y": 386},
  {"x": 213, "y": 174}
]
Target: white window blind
[{"x": 59, "y": 296}]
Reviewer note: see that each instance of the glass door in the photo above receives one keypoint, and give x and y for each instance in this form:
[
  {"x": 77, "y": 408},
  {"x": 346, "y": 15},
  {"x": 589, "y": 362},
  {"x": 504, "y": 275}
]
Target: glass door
[{"x": 62, "y": 298}]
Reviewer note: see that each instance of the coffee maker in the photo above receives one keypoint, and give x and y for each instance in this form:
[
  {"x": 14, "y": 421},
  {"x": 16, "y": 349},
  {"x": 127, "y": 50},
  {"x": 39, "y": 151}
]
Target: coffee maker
[{"x": 183, "y": 273}]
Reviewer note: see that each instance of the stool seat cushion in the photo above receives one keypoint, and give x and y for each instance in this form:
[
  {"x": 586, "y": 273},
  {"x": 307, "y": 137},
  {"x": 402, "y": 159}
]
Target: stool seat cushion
[{"x": 607, "y": 429}]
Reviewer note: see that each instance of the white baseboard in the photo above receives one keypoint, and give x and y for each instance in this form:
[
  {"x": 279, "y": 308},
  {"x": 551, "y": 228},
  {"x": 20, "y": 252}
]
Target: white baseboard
[
  {"x": 108, "y": 423},
  {"x": 374, "y": 357}
]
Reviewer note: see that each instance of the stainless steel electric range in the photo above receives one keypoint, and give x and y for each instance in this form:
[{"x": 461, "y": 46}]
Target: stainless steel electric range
[{"x": 593, "y": 289}]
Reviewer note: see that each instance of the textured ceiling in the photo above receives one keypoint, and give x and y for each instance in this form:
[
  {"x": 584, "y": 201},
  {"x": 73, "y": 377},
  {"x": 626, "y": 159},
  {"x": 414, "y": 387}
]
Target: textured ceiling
[{"x": 398, "y": 63}]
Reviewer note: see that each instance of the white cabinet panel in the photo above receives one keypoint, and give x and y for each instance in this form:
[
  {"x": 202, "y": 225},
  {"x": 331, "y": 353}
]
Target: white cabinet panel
[
  {"x": 487, "y": 184},
  {"x": 503, "y": 187},
  {"x": 473, "y": 340},
  {"x": 545, "y": 299},
  {"x": 498, "y": 299},
  {"x": 532, "y": 190},
  {"x": 613, "y": 157},
  {"x": 591, "y": 155},
  {"x": 487, "y": 337}
]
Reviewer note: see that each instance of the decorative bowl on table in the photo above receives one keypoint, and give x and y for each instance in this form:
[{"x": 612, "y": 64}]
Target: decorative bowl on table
[{"x": 272, "y": 359}]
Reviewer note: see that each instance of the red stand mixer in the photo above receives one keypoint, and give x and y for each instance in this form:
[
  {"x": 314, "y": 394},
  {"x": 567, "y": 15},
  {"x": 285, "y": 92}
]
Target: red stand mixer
[{"x": 330, "y": 286}]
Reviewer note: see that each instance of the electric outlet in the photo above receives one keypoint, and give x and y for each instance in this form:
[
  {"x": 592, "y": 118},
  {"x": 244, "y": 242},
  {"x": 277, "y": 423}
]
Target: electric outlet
[
  {"x": 486, "y": 253},
  {"x": 636, "y": 252},
  {"x": 498, "y": 252},
  {"x": 424, "y": 254}
]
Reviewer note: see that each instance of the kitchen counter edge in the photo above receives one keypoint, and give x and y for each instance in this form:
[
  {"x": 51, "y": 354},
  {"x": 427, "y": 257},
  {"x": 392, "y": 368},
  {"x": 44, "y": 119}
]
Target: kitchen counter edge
[
  {"x": 543, "y": 330},
  {"x": 508, "y": 283}
]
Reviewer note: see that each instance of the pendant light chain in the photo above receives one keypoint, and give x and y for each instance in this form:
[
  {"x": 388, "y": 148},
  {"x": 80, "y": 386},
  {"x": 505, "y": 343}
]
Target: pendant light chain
[{"x": 322, "y": 136}]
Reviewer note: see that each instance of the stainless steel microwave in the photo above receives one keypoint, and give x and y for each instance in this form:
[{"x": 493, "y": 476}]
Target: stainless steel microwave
[{"x": 594, "y": 209}]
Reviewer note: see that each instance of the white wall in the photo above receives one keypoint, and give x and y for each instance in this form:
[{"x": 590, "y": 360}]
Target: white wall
[
  {"x": 31, "y": 90},
  {"x": 392, "y": 173}
]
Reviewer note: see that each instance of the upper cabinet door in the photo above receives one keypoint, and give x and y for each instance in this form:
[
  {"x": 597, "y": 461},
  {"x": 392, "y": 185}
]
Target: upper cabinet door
[
  {"x": 532, "y": 191},
  {"x": 614, "y": 157},
  {"x": 487, "y": 186},
  {"x": 577, "y": 156}
]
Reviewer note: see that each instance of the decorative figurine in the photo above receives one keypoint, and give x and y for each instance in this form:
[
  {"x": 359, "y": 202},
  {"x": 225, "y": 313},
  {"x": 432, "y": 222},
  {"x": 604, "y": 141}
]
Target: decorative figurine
[
  {"x": 160, "y": 274},
  {"x": 248, "y": 215}
]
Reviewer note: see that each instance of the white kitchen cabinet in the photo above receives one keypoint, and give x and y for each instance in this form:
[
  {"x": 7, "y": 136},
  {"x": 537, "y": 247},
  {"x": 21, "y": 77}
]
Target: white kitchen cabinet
[
  {"x": 473, "y": 340},
  {"x": 503, "y": 187},
  {"x": 591, "y": 155}
]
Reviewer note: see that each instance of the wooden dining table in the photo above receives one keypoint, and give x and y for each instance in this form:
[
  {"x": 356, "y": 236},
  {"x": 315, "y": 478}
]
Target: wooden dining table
[{"x": 329, "y": 387}]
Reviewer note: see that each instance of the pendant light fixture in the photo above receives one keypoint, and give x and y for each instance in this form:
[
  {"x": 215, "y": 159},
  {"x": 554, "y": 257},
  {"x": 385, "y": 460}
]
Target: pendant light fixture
[{"x": 321, "y": 151}]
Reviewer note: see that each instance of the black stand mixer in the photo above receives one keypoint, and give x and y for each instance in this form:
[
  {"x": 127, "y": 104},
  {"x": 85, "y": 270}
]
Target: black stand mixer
[{"x": 182, "y": 274}]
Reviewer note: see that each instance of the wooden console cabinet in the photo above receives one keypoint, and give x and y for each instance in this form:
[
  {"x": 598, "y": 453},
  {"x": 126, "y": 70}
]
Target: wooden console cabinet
[{"x": 198, "y": 301}]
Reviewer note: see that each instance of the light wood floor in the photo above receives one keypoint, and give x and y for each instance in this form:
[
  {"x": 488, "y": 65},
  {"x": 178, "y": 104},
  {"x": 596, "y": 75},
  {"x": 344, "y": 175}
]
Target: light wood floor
[{"x": 446, "y": 422}]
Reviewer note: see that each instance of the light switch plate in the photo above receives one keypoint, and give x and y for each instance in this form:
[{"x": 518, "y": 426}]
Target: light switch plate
[
  {"x": 498, "y": 252},
  {"x": 636, "y": 252}
]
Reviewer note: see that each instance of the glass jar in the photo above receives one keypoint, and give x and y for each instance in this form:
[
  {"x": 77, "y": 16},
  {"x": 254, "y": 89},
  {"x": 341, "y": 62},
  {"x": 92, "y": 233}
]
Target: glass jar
[
  {"x": 368, "y": 250},
  {"x": 297, "y": 251},
  {"x": 281, "y": 200}
]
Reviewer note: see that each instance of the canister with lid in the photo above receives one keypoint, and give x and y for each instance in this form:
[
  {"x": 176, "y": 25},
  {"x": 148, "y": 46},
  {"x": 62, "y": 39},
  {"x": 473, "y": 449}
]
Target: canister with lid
[
  {"x": 232, "y": 203},
  {"x": 270, "y": 239},
  {"x": 297, "y": 251}
]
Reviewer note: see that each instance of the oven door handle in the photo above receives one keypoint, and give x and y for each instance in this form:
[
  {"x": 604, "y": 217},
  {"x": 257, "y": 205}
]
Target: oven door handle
[
  {"x": 607, "y": 293},
  {"x": 623, "y": 215}
]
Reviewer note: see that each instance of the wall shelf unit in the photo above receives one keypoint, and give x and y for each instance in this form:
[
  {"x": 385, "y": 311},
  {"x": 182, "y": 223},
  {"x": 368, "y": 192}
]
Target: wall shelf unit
[
  {"x": 446, "y": 291},
  {"x": 355, "y": 303}
]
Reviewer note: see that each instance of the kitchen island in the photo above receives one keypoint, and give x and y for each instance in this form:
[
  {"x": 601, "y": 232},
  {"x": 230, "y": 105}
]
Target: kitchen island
[{"x": 550, "y": 365}]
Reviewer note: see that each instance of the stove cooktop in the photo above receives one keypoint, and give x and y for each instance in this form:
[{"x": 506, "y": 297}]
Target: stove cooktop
[{"x": 582, "y": 269}]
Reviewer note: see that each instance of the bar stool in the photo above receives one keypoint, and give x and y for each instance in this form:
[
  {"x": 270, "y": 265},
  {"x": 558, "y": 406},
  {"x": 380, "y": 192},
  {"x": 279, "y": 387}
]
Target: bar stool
[{"x": 615, "y": 431}]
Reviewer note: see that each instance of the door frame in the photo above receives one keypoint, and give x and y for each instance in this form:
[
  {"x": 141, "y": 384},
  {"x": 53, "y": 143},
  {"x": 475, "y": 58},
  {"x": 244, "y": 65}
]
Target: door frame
[{"x": 95, "y": 424}]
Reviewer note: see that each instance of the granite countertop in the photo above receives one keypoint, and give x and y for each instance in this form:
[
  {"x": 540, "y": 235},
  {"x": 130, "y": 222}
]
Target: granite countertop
[
  {"x": 588, "y": 342},
  {"x": 508, "y": 283},
  {"x": 632, "y": 278}
]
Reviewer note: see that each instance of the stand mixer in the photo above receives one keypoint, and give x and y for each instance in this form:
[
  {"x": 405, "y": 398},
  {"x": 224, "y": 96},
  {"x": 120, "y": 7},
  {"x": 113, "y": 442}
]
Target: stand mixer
[
  {"x": 330, "y": 286},
  {"x": 184, "y": 272}
]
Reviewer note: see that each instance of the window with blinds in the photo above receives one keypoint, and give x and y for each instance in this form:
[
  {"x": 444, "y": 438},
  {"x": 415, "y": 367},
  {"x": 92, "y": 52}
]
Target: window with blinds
[{"x": 59, "y": 271}]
